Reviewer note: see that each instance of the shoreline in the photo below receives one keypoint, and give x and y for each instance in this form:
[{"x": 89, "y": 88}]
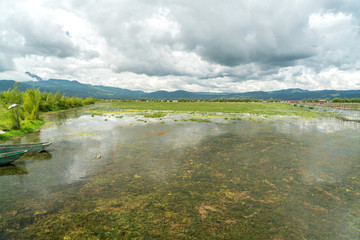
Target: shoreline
[{"x": 30, "y": 127}]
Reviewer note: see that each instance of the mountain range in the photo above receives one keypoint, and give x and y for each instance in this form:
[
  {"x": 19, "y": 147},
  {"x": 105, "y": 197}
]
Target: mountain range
[{"x": 75, "y": 88}]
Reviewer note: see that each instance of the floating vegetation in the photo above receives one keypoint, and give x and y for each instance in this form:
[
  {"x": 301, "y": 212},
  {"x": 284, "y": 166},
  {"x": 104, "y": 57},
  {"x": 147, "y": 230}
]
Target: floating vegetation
[
  {"x": 96, "y": 114},
  {"x": 255, "y": 118},
  {"x": 81, "y": 134},
  {"x": 155, "y": 115},
  {"x": 197, "y": 120}
]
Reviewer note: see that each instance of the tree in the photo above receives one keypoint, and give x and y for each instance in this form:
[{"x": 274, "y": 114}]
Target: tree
[
  {"x": 32, "y": 99},
  {"x": 335, "y": 100},
  {"x": 12, "y": 96},
  {"x": 15, "y": 114}
]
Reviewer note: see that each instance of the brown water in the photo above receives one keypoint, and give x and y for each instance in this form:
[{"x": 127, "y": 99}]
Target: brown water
[{"x": 123, "y": 176}]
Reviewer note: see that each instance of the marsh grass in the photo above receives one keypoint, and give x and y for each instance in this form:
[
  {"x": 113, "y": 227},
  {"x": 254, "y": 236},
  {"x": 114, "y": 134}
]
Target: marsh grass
[{"x": 208, "y": 107}]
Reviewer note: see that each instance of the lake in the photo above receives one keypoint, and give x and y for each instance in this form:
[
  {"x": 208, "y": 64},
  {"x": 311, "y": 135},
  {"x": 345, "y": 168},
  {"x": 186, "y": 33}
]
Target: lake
[{"x": 122, "y": 175}]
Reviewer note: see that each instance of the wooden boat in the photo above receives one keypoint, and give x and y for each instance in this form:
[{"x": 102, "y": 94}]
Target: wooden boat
[
  {"x": 9, "y": 157},
  {"x": 30, "y": 147}
]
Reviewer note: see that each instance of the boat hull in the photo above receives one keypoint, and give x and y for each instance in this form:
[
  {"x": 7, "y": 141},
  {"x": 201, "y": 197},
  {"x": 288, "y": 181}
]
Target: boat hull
[
  {"x": 31, "y": 148},
  {"x": 9, "y": 157}
]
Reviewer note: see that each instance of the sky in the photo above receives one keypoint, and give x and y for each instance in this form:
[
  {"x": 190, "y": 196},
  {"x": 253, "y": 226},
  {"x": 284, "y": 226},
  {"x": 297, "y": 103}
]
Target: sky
[{"x": 192, "y": 45}]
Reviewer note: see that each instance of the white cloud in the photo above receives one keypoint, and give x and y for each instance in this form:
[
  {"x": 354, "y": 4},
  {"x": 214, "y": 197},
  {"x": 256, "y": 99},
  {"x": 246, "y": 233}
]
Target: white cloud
[
  {"x": 337, "y": 41},
  {"x": 199, "y": 45}
]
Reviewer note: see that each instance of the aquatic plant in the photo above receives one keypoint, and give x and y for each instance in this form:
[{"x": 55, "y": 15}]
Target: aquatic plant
[
  {"x": 155, "y": 115},
  {"x": 196, "y": 120}
]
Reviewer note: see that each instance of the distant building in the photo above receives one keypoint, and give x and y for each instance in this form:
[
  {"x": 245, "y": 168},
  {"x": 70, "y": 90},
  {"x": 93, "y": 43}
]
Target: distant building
[
  {"x": 323, "y": 102},
  {"x": 294, "y": 101}
]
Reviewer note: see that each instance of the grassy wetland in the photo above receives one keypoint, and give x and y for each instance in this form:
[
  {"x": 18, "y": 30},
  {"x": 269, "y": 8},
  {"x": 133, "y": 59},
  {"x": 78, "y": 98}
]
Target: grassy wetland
[
  {"x": 213, "y": 107},
  {"x": 136, "y": 170}
]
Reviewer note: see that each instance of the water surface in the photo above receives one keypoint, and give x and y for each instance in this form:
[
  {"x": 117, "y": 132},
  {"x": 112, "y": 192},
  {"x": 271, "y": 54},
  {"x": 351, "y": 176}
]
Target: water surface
[{"x": 122, "y": 175}]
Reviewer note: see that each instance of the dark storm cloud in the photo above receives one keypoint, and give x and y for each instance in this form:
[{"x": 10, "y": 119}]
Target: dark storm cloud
[
  {"x": 227, "y": 33},
  {"x": 240, "y": 32}
]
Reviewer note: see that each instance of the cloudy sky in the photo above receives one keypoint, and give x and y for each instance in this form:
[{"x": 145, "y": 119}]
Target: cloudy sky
[{"x": 193, "y": 45}]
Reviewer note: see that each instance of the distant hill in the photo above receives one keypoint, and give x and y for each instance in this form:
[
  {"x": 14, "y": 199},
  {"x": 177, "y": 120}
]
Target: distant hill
[{"x": 75, "y": 88}]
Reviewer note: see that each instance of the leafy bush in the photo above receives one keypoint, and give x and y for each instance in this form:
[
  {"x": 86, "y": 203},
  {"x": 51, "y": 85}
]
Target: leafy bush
[{"x": 31, "y": 103}]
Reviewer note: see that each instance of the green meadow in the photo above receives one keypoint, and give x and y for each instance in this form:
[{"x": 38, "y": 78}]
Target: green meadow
[{"x": 211, "y": 107}]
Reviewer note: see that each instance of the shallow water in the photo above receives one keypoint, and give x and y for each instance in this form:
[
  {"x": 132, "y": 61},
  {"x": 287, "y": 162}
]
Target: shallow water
[{"x": 122, "y": 175}]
